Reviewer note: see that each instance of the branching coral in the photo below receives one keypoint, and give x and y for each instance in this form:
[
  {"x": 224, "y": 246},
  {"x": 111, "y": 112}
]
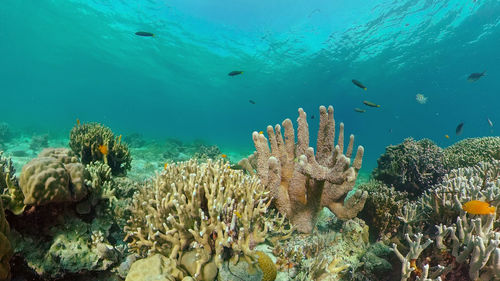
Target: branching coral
[
  {"x": 10, "y": 191},
  {"x": 411, "y": 166},
  {"x": 89, "y": 140},
  {"x": 208, "y": 208},
  {"x": 302, "y": 182},
  {"x": 469, "y": 152}
]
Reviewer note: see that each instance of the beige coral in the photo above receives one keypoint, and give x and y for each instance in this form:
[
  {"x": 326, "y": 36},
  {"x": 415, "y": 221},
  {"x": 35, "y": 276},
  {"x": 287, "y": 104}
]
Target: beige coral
[
  {"x": 53, "y": 177},
  {"x": 302, "y": 182},
  {"x": 208, "y": 208}
]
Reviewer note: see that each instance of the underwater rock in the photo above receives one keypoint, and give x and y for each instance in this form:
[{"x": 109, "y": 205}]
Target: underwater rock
[
  {"x": 96, "y": 142},
  {"x": 411, "y": 166},
  {"x": 208, "y": 272},
  {"x": 154, "y": 268},
  {"x": 240, "y": 271}
]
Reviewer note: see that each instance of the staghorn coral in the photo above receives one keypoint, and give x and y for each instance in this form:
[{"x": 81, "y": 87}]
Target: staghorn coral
[
  {"x": 301, "y": 182},
  {"x": 412, "y": 166},
  {"x": 207, "y": 208},
  {"x": 54, "y": 176},
  {"x": 469, "y": 152},
  {"x": 85, "y": 140},
  {"x": 380, "y": 208}
]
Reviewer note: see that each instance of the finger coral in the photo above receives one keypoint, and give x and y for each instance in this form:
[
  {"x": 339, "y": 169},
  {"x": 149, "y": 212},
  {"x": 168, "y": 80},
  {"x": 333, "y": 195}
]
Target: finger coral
[
  {"x": 302, "y": 182},
  {"x": 207, "y": 208},
  {"x": 95, "y": 142}
]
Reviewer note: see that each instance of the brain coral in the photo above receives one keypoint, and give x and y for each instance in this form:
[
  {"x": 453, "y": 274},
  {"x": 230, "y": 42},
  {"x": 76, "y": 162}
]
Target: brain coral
[
  {"x": 52, "y": 177},
  {"x": 469, "y": 152},
  {"x": 87, "y": 141},
  {"x": 411, "y": 166}
]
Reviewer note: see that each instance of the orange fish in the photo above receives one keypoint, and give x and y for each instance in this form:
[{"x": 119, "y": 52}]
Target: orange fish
[
  {"x": 476, "y": 207},
  {"x": 223, "y": 155},
  {"x": 165, "y": 166},
  {"x": 103, "y": 149},
  {"x": 446, "y": 136},
  {"x": 77, "y": 121},
  {"x": 261, "y": 133}
]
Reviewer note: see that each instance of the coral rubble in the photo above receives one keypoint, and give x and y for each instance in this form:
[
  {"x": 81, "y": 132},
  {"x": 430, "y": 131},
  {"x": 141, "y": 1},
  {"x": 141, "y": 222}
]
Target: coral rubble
[{"x": 302, "y": 182}]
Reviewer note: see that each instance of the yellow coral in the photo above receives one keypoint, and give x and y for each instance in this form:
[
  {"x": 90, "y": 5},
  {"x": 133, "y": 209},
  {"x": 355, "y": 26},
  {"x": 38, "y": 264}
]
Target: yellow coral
[{"x": 267, "y": 266}]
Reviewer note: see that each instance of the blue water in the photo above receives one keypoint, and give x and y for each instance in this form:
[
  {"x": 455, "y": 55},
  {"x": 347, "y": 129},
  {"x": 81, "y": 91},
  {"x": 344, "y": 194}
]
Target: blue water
[{"x": 68, "y": 59}]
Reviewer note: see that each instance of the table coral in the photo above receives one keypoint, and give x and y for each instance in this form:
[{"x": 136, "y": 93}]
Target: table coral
[
  {"x": 209, "y": 208},
  {"x": 302, "y": 182},
  {"x": 87, "y": 139}
]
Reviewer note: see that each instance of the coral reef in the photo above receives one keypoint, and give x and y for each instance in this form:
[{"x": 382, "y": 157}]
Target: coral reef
[
  {"x": 207, "y": 208},
  {"x": 469, "y": 152},
  {"x": 95, "y": 142},
  {"x": 302, "y": 182},
  {"x": 412, "y": 166},
  {"x": 54, "y": 176},
  {"x": 11, "y": 194},
  {"x": 5, "y": 246},
  {"x": 380, "y": 208},
  {"x": 39, "y": 142}
]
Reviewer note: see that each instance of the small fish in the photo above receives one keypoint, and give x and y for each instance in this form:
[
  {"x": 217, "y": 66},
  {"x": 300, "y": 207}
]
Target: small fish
[
  {"x": 144, "y": 34},
  {"x": 359, "y": 84},
  {"x": 261, "y": 133},
  {"x": 476, "y": 207},
  {"x": 359, "y": 110},
  {"x": 119, "y": 138},
  {"x": 165, "y": 166},
  {"x": 446, "y": 136},
  {"x": 369, "y": 103},
  {"x": 235, "y": 72},
  {"x": 421, "y": 98},
  {"x": 223, "y": 155},
  {"x": 459, "y": 128},
  {"x": 103, "y": 149},
  {"x": 490, "y": 123},
  {"x": 237, "y": 214},
  {"x": 78, "y": 122},
  {"x": 312, "y": 116},
  {"x": 475, "y": 76},
  {"x": 251, "y": 101}
]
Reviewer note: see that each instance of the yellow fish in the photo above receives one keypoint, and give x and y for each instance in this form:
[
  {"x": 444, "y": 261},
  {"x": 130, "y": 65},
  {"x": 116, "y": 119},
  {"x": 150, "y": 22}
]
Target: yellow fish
[
  {"x": 103, "y": 149},
  {"x": 237, "y": 214},
  {"x": 261, "y": 133},
  {"x": 165, "y": 166},
  {"x": 476, "y": 207},
  {"x": 446, "y": 136},
  {"x": 223, "y": 155},
  {"x": 77, "y": 122}
]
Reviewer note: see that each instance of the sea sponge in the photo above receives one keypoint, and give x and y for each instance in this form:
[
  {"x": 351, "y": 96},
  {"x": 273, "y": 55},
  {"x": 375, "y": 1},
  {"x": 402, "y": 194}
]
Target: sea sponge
[
  {"x": 469, "y": 152},
  {"x": 85, "y": 140},
  {"x": 267, "y": 266},
  {"x": 411, "y": 166},
  {"x": 49, "y": 179}
]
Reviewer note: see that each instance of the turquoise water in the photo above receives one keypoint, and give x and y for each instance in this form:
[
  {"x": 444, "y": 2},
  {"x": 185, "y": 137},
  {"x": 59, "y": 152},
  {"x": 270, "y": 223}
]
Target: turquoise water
[{"x": 63, "y": 60}]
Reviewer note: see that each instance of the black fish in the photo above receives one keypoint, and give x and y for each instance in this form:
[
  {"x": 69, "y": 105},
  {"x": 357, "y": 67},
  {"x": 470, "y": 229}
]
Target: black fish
[
  {"x": 312, "y": 116},
  {"x": 251, "y": 101},
  {"x": 235, "y": 72},
  {"x": 359, "y": 84},
  {"x": 475, "y": 76},
  {"x": 144, "y": 33},
  {"x": 460, "y": 128}
]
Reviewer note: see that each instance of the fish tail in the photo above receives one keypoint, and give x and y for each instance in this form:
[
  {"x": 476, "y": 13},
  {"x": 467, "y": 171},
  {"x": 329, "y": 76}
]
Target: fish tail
[{"x": 378, "y": 105}]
